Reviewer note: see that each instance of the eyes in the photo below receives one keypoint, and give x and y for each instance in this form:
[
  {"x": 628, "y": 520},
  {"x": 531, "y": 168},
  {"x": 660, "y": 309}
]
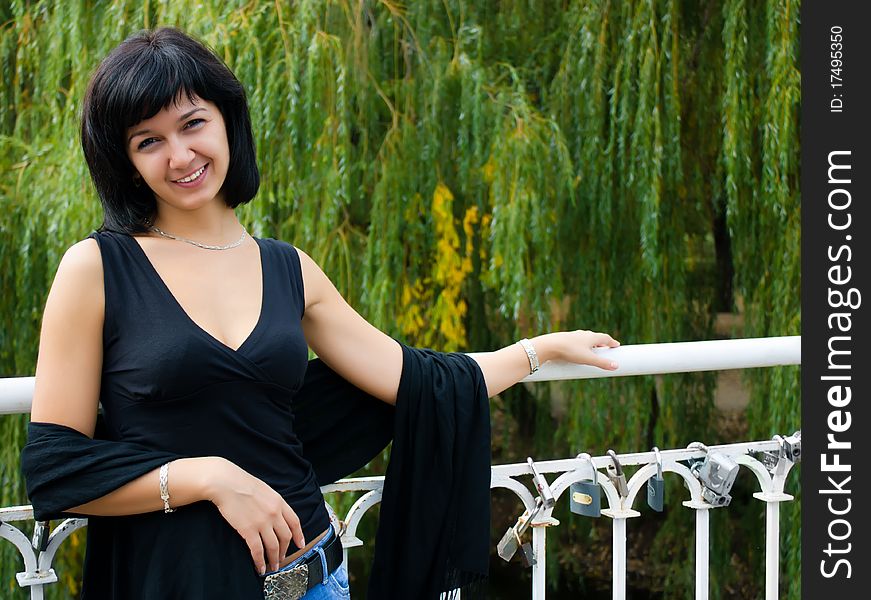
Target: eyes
[{"x": 192, "y": 124}]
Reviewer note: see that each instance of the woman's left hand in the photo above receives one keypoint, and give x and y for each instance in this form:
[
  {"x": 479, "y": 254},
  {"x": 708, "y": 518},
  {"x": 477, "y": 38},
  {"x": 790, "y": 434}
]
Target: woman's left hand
[
  {"x": 505, "y": 367},
  {"x": 577, "y": 347}
]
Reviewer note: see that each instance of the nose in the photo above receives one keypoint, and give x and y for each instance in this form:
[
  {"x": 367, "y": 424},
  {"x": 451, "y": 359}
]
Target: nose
[{"x": 181, "y": 154}]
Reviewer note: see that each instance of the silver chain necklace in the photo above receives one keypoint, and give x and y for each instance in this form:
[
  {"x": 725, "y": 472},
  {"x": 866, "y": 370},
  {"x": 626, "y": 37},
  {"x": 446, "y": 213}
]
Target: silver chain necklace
[{"x": 159, "y": 231}]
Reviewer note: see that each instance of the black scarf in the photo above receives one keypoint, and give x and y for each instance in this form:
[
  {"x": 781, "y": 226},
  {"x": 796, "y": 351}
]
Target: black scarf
[{"x": 434, "y": 530}]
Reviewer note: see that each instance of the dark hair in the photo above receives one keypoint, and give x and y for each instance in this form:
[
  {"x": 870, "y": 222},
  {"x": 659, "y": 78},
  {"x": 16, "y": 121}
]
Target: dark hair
[{"x": 138, "y": 79}]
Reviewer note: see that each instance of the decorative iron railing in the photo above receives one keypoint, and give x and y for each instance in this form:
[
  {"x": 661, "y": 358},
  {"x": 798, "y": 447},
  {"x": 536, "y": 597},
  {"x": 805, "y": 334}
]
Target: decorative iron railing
[{"x": 707, "y": 472}]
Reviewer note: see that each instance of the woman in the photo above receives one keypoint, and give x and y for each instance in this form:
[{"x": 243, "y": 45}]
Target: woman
[{"x": 194, "y": 335}]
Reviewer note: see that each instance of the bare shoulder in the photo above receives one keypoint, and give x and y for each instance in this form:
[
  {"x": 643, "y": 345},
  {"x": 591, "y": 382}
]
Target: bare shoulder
[
  {"x": 79, "y": 278},
  {"x": 303, "y": 257},
  {"x": 83, "y": 259},
  {"x": 315, "y": 283}
]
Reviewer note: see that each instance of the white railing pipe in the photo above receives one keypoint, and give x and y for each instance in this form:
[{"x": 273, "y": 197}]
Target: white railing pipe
[
  {"x": 638, "y": 359},
  {"x": 681, "y": 357}
]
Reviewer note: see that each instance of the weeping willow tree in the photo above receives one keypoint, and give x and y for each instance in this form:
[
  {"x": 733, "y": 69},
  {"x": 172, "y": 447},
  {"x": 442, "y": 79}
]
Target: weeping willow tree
[{"x": 469, "y": 173}]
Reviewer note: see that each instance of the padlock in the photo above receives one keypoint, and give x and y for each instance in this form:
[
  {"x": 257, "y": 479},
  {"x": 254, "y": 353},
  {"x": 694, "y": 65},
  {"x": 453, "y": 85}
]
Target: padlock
[
  {"x": 776, "y": 462},
  {"x": 770, "y": 460},
  {"x": 586, "y": 495},
  {"x": 789, "y": 451},
  {"x": 616, "y": 475},
  {"x": 527, "y": 556},
  {"x": 716, "y": 472},
  {"x": 792, "y": 448},
  {"x": 508, "y": 545},
  {"x": 510, "y": 542},
  {"x": 656, "y": 485},
  {"x": 40, "y": 536},
  {"x": 541, "y": 485}
]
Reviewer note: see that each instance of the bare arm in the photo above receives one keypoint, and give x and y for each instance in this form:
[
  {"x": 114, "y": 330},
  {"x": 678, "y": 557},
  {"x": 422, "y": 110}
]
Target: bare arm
[
  {"x": 505, "y": 367},
  {"x": 372, "y": 360},
  {"x": 68, "y": 366},
  {"x": 67, "y": 385}
]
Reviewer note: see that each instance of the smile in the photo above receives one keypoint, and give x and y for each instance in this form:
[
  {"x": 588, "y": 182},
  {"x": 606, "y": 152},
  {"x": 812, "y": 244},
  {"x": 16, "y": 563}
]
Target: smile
[{"x": 193, "y": 176}]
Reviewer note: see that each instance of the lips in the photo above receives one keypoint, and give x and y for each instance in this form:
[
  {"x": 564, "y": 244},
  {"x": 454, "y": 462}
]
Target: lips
[{"x": 193, "y": 178}]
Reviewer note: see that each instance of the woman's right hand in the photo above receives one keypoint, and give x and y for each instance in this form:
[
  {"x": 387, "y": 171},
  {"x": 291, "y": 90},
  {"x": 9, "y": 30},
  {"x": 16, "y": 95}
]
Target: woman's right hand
[{"x": 256, "y": 511}]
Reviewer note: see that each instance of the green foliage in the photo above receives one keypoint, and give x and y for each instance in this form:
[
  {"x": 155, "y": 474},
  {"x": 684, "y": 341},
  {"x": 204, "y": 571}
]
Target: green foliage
[{"x": 467, "y": 173}]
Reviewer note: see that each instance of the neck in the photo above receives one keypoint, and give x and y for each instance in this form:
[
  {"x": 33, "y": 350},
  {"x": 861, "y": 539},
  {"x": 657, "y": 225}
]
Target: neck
[{"x": 217, "y": 226}]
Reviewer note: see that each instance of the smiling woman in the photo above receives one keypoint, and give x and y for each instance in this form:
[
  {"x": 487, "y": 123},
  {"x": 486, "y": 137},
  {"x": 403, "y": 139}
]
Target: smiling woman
[
  {"x": 158, "y": 108},
  {"x": 194, "y": 337}
]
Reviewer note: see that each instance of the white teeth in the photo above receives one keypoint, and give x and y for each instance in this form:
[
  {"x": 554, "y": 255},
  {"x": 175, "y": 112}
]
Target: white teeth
[{"x": 192, "y": 177}]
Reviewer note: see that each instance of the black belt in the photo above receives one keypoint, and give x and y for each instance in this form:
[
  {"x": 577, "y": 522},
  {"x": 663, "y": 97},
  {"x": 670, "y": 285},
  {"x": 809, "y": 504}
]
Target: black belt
[
  {"x": 292, "y": 583},
  {"x": 332, "y": 553}
]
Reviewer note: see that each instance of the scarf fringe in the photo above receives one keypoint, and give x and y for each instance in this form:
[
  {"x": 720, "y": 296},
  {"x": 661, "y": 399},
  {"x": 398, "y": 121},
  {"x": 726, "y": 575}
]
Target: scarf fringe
[{"x": 464, "y": 585}]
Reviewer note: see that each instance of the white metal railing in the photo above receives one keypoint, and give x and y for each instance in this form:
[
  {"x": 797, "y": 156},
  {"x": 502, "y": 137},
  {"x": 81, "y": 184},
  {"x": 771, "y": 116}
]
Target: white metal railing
[
  {"x": 771, "y": 478},
  {"x": 770, "y": 472}
]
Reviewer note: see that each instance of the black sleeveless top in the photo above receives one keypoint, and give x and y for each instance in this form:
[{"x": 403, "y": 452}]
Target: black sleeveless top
[{"x": 170, "y": 385}]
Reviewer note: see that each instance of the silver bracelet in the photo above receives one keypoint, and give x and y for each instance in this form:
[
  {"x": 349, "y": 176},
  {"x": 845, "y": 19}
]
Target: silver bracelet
[
  {"x": 164, "y": 488},
  {"x": 530, "y": 354}
]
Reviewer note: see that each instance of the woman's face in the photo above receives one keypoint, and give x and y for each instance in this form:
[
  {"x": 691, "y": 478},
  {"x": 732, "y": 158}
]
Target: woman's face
[{"x": 182, "y": 153}]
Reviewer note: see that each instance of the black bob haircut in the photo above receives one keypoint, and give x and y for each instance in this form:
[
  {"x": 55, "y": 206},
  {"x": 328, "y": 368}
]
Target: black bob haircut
[{"x": 138, "y": 79}]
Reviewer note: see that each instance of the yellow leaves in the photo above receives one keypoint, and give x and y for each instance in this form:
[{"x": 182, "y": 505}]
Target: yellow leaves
[
  {"x": 468, "y": 222},
  {"x": 450, "y": 268},
  {"x": 412, "y": 300},
  {"x": 432, "y": 308}
]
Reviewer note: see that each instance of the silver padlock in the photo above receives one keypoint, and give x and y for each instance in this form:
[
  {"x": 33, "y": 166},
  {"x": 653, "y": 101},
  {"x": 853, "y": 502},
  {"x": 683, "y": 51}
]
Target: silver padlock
[
  {"x": 792, "y": 447},
  {"x": 511, "y": 541},
  {"x": 541, "y": 485},
  {"x": 586, "y": 495},
  {"x": 770, "y": 460},
  {"x": 775, "y": 462},
  {"x": 616, "y": 475},
  {"x": 656, "y": 485},
  {"x": 508, "y": 545},
  {"x": 40, "y": 536},
  {"x": 716, "y": 472},
  {"x": 789, "y": 450}
]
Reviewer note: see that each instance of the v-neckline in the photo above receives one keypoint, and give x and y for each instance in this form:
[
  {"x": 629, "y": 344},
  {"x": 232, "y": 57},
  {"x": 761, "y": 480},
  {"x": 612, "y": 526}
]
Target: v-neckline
[{"x": 171, "y": 297}]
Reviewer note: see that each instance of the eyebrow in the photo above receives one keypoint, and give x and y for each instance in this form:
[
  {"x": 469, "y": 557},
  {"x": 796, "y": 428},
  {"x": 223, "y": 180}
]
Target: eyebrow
[{"x": 180, "y": 119}]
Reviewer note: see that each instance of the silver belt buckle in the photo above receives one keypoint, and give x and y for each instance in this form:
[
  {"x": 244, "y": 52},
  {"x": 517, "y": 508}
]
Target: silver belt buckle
[{"x": 291, "y": 584}]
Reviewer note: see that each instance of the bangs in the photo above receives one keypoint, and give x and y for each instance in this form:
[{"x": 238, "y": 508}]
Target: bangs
[{"x": 156, "y": 79}]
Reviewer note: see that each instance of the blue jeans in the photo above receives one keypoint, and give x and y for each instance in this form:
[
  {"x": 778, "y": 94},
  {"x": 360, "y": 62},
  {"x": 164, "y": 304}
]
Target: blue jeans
[
  {"x": 334, "y": 588},
  {"x": 335, "y": 585}
]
